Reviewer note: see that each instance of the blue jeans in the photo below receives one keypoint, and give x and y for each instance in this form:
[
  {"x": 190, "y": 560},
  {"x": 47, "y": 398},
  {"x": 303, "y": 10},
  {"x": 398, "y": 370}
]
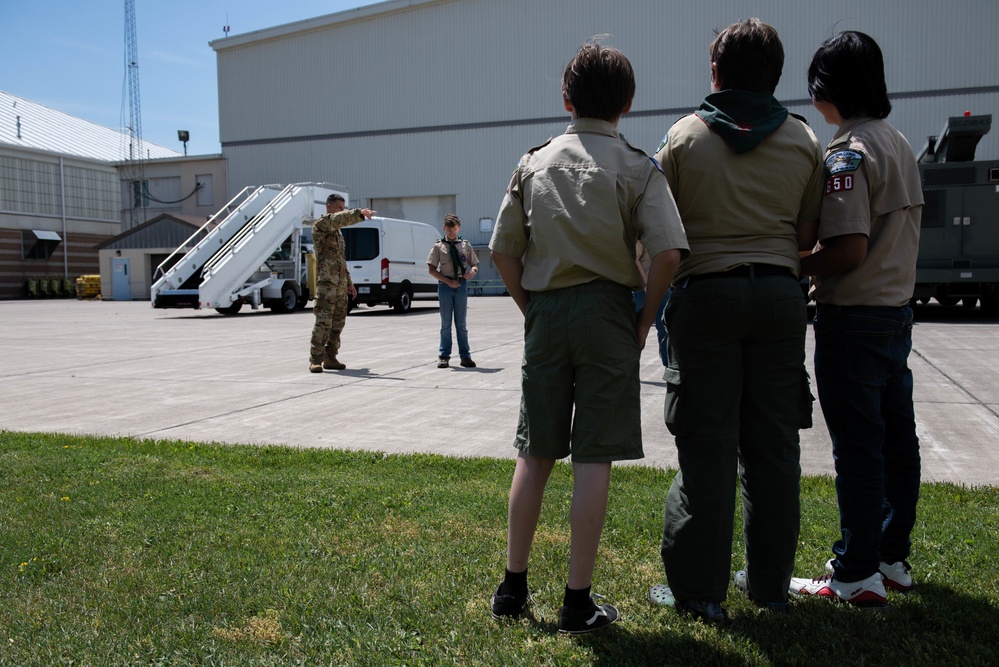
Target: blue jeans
[
  {"x": 454, "y": 304},
  {"x": 865, "y": 390}
]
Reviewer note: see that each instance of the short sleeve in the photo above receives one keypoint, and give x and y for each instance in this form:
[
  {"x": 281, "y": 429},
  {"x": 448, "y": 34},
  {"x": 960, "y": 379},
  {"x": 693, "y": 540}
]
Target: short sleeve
[
  {"x": 846, "y": 204},
  {"x": 510, "y": 235}
]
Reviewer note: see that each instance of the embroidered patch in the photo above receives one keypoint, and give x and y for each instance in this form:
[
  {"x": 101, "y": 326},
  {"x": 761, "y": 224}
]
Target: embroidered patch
[
  {"x": 841, "y": 161},
  {"x": 836, "y": 184},
  {"x": 658, "y": 166},
  {"x": 662, "y": 144}
]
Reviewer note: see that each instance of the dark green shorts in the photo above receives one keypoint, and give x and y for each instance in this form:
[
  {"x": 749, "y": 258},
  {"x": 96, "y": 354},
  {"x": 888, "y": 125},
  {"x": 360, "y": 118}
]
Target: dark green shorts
[{"x": 580, "y": 376}]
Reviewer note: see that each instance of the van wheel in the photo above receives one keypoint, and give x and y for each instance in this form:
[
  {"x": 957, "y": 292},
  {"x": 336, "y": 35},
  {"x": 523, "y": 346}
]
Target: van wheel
[{"x": 404, "y": 302}]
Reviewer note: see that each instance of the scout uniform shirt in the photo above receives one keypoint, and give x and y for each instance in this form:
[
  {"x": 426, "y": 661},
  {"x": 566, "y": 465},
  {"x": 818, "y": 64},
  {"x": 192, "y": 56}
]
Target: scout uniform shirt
[
  {"x": 872, "y": 188},
  {"x": 331, "y": 264},
  {"x": 744, "y": 173},
  {"x": 576, "y": 206},
  {"x": 440, "y": 257}
]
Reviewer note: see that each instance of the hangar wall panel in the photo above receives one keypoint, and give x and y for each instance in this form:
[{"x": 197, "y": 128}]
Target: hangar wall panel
[{"x": 441, "y": 98}]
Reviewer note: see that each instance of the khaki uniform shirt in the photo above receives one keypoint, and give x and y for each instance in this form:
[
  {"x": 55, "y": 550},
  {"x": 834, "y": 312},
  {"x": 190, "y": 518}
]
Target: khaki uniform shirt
[
  {"x": 576, "y": 206},
  {"x": 742, "y": 208},
  {"x": 440, "y": 258},
  {"x": 873, "y": 188},
  {"x": 331, "y": 264}
]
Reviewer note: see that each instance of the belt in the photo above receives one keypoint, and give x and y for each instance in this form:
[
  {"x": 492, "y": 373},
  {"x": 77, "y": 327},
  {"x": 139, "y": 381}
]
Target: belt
[{"x": 746, "y": 271}]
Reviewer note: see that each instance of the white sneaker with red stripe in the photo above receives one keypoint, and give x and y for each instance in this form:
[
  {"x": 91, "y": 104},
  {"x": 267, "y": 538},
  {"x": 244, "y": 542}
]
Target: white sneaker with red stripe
[
  {"x": 869, "y": 592},
  {"x": 897, "y": 577}
]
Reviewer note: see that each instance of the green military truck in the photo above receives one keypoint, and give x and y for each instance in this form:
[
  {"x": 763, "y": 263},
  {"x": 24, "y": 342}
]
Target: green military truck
[{"x": 959, "y": 240}]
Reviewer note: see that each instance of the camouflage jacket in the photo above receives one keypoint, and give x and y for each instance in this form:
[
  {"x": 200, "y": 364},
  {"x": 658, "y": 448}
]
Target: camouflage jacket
[{"x": 331, "y": 265}]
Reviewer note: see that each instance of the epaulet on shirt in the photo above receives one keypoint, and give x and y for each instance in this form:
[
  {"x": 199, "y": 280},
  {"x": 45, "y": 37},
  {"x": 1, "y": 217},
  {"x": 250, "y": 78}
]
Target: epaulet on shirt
[
  {"x": 526, "y": 156},
  {"x": 655, "y": 163},
  {"x": 799, "y": 117}
]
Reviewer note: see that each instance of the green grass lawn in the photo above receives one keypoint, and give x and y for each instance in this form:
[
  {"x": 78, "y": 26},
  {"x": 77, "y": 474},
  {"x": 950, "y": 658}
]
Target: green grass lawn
[{"x": 117, "y": 552}]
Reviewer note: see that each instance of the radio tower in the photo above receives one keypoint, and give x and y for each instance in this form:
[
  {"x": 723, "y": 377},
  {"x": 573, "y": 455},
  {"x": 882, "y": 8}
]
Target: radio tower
[{"x": 134, "y": 171}]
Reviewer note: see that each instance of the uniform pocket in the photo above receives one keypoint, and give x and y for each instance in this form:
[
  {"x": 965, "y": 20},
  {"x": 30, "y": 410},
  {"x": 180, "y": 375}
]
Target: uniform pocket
[
  {"x": 536, "y": 336},
  {"x": 674, "y": 400}
]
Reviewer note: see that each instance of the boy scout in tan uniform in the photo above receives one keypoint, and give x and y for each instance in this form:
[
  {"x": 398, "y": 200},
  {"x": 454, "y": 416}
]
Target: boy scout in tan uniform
[
  {"x": 452, "y": 261},
  {"x": 333, "y": 285},
  {"x": 858, "y": 186},
  {"x": 747, "y": 177},
  {"x": 865, "y": 269},
  {"x": 564, "y": 244}
]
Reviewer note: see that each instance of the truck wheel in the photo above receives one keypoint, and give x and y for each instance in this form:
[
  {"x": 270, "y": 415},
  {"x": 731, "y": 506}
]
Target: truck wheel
[
  {"x": 404, "y": 302},
  {"x": 947, "y": 300},
  {"x": 288, "y": 302},
  {"x": 990, "y": 305},
  {"x": 230, "y": 310},
  {"x": 969, "y": 302}
]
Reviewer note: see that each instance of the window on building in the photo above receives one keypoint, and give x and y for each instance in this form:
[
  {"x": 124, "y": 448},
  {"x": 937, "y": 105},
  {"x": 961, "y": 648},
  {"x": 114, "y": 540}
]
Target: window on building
[
  {"x": 140, "y": 194},
  {"x": 39, "y": 244}
]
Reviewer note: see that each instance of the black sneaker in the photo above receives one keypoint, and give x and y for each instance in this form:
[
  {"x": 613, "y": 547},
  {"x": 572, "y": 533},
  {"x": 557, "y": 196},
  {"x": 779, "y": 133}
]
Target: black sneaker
[
  {"x": 580, "y": 621},
  {"x": 467, "y": 362},
  {"x": 442, "y": 362},
  {"x": 509, "y": 606},
  {"x": 709, "y": 612}
]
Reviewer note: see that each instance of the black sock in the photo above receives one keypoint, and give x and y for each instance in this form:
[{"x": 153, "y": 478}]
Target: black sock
[
  {"x": 515, "y": 584},
  {"x": 577, "y": 598}
]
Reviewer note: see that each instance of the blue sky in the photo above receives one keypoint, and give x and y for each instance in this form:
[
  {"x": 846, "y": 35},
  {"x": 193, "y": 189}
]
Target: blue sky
[{"x": 70, "y": 55}]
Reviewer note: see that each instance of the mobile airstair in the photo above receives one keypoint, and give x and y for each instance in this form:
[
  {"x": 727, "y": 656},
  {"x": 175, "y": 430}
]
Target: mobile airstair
[{"x": 251, "y": 252}]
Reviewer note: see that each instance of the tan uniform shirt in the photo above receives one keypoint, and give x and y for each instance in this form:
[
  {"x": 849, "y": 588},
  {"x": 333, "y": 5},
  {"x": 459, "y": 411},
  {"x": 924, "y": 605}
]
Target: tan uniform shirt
[
  {"x": 873, "y": 188},
  {"x": 576, "y": 206},
  {"x": 742, "y": 208},
  {"x": 331, "y": 264},
  {"x": 440, "y": 258}
]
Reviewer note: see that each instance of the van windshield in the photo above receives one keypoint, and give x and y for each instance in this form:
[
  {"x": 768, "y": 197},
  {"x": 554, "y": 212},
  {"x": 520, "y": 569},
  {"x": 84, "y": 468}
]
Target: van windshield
[{"x": 360, "y": 244}]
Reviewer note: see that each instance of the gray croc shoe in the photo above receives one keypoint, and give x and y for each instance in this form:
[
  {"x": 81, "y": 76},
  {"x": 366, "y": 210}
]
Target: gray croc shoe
[{"x": 661, "y": 596}]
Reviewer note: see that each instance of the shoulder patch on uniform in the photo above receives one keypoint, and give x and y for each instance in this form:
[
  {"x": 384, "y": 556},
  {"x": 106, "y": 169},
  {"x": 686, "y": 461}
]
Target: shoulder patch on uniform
[
  {"x": 662, "y": 144},
  {"x": 658, "y": 166},
  {"x": 841, "y": 161}
]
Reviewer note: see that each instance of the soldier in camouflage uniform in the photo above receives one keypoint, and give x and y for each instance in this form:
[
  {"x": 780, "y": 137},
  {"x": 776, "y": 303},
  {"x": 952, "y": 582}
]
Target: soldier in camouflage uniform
[{"x": 333, "y": 285}]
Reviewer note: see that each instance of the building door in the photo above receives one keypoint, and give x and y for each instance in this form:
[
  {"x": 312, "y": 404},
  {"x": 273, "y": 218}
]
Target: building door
[{"x": 121, "y": 287}]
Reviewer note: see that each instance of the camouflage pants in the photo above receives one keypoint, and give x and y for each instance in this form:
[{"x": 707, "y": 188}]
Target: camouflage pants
[{"x": 331, "y": 315}]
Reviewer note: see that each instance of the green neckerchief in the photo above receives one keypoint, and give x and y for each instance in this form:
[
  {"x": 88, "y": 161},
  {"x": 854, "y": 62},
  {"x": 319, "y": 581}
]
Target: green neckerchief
[
  {"x": 742, "y": 118},
  {"x": 455, "y": 258}
]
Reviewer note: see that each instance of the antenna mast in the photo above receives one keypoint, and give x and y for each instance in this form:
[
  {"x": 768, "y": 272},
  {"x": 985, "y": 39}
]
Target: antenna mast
[{"x": 134, "y": 170}]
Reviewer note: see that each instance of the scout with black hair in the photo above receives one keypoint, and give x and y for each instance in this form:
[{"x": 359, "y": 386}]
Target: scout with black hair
[{"x": 864, "y": 272}]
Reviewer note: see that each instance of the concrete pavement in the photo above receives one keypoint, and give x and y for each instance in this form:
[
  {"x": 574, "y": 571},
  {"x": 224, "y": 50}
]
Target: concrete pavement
[{"x": 122, "y": 368}]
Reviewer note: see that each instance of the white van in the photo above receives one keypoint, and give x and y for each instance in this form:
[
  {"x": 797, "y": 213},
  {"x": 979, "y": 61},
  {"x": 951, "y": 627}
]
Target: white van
[{"x": 387, "y": 260}]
